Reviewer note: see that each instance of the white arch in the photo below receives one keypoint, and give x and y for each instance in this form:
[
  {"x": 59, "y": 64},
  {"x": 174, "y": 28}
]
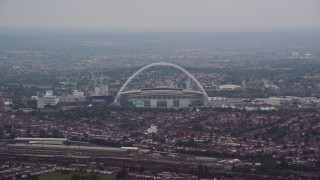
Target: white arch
[{"x": 116, "y": 100}]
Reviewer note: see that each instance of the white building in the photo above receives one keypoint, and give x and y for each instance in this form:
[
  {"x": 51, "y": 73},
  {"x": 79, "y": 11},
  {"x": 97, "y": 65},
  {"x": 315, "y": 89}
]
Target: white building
[
  {"x": 47, "y": 99},
  {"x": 8, "y": 105},
  {"x": 40, "y": 102},
  {"x": 276, "y": 100},
  {"x": 49, "y": 93},
  {"x": 75, "y": 97},
  {"x": 152, "y": 129},
  {"x": 229, "y": 87},
  {"x": 101, "y": 90},
  {"x": 188, "y": 84},
  {"x": 77, "y": 93}
]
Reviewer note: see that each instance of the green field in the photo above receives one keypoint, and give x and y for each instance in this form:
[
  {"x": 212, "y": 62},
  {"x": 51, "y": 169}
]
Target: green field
[{"x": 60, "y": 176}]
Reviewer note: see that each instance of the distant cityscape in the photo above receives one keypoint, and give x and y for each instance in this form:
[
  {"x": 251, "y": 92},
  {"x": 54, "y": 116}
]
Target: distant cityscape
[{"x": 174, "y": 106}]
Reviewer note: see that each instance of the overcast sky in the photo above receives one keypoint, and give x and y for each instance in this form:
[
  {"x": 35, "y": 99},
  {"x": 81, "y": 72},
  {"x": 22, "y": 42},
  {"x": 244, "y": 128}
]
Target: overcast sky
[{"x": 161, "y": 14}]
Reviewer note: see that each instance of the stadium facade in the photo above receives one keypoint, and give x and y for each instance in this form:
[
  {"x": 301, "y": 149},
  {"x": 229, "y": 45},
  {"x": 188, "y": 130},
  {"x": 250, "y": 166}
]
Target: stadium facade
[{"x": 162, "y": 97}]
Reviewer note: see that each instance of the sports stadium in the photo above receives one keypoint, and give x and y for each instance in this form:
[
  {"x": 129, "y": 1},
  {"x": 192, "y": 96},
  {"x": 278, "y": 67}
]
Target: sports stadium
[{"x": 162, "y": 97}]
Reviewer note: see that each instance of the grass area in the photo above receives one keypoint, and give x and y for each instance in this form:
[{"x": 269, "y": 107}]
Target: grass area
[{"x": 60, "y": 176}]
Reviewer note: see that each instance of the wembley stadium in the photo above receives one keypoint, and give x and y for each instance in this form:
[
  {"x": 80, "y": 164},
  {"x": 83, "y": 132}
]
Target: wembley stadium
[{"x": 162, "y": 97}]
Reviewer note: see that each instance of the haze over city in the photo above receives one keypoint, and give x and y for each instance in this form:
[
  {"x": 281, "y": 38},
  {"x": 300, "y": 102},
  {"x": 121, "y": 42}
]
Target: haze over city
[
  {"x": 164, "y": 14},
  {"x": 159, "y": 89}
]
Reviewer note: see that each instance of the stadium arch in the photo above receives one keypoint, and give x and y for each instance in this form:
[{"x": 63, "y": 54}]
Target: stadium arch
[{"x": 116, "y": 100}]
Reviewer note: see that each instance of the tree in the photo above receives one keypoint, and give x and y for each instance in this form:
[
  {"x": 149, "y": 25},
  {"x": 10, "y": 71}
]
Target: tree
[
  {"x": 200, "y": 171},
  {"x": 122, "y": 173},
  {"x": 18, "y": 176},
  {"x": 75, "y": 177},
  {"x": 28, "y": 131},
  {"x": 93, "y": 176}
]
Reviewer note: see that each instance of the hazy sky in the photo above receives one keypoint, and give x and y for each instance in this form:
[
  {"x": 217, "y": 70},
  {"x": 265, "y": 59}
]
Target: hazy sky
[{"x": 163, "y": 14}]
